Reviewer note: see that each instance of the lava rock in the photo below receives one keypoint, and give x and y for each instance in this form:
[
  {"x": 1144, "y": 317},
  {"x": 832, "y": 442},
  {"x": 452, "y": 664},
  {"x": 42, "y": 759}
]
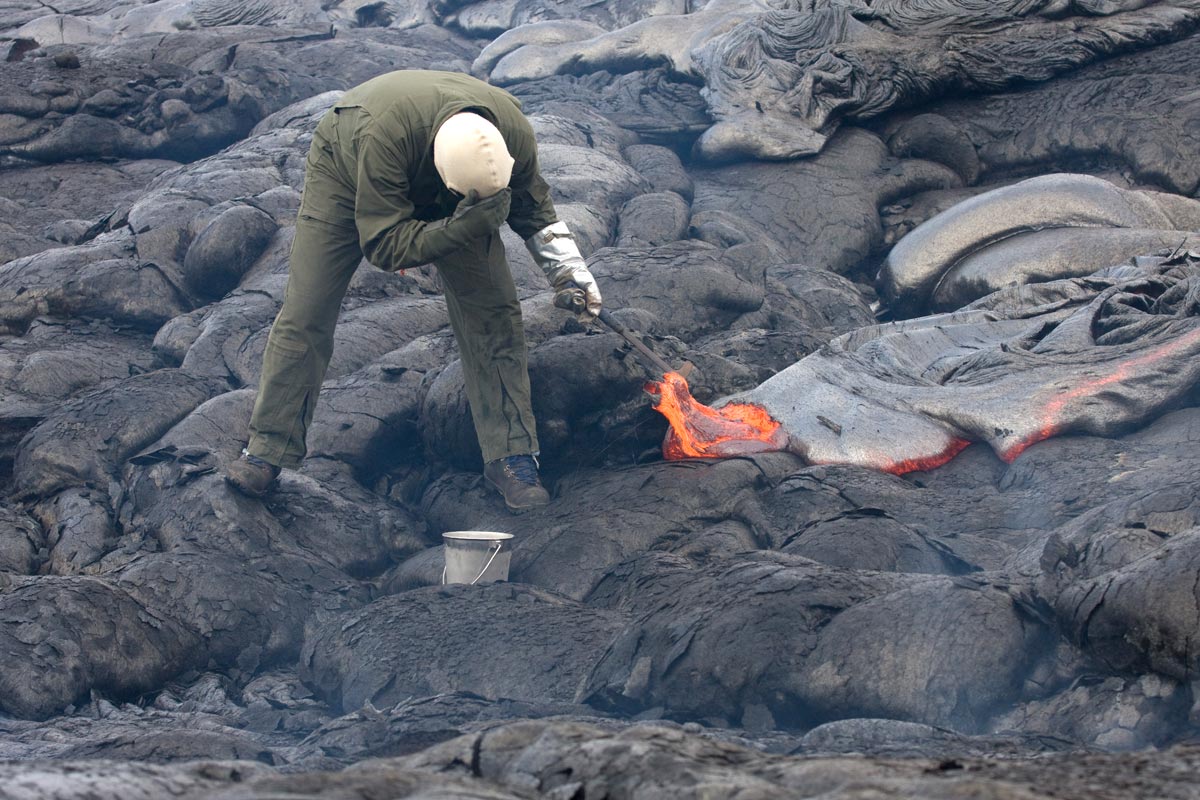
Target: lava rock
[
  {"x": 948, "y": 254},
  {"x": 653, "y": 219},
  {"x": 662, "y": 167},
  {"x": 493, "y": 640},
  {"x": 102, "y": 279},
  {"x": 812, "y": 399},
  {"x": 87, "y": 440},
  {"x": 1057, "y": 123},
  {"x": 823, "y": 212},
  {"x": 79, "y": 530},
  {"x": 62, "y": 636},
  {"x": 226, "y": 248},
  {"x": 21, "y": 539}
]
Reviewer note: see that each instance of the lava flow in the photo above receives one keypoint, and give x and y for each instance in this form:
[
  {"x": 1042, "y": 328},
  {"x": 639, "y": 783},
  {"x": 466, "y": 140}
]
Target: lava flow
[
  {"x": 1053, "y": 412},
  {"x": 922, "y": 463},
  {"x": 698, "y": 431}
]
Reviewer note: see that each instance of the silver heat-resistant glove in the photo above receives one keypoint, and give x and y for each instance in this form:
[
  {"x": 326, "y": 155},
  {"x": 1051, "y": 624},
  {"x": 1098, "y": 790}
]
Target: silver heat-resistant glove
[{"x": 555, "y": 251}]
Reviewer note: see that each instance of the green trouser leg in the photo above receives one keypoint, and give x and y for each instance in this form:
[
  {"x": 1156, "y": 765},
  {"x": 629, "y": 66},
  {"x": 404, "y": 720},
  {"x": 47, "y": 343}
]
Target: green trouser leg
[
  {"x": 323, "y": 259},
  {"x": 486, "y": 317}
]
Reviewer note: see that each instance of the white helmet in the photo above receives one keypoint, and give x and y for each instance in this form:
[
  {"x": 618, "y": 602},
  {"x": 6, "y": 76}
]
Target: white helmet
[{"x": 469, "y": 153}]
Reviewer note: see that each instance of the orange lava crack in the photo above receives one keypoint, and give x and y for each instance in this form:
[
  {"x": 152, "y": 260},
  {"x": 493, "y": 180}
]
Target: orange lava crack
[{"x": 925, "y": 463}]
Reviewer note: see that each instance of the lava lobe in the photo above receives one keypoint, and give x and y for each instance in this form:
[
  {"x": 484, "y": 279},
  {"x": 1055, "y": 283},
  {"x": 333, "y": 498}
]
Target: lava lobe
[{"x": 698, "y": 431}]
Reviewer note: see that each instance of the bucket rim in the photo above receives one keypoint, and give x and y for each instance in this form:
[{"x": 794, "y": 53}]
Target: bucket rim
[{"x": 477, "y": 536}]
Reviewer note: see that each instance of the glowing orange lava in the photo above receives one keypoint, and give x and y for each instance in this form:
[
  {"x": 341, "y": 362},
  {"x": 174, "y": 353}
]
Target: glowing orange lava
[
  {"x": 922, "y": 463},
  {"x": 698, "y": 431}
]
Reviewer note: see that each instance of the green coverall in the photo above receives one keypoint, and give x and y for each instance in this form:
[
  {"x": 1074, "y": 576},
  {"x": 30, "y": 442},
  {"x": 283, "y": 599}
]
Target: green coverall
[{"x": 370, "y": 187}]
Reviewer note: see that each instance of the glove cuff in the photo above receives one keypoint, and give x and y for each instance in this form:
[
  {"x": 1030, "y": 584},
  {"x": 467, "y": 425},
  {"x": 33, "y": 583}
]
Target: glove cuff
[{"x": 554, "y": 250}]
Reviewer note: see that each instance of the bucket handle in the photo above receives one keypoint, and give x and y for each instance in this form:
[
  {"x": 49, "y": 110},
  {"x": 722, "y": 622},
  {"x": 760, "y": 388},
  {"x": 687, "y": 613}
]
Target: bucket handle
[{"x": 495, "y": 552}]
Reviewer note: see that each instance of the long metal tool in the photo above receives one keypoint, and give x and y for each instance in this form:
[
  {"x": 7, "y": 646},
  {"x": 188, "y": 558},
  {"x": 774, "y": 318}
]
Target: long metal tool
[{"x": 577, "y": 302}]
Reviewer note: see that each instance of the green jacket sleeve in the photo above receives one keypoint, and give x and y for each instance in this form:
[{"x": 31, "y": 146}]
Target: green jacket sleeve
[
  {"x": 532, "y": 209},
  {"x": 389, "y": 236}
]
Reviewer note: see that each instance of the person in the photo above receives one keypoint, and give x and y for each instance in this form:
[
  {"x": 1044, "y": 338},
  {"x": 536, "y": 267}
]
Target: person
[{"x": 410, "y": 168}]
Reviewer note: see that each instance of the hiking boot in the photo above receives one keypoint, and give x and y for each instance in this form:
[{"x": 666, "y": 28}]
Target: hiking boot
[
  {"x": 516, "y": 478},
  {"x": 251, "y": 476}
]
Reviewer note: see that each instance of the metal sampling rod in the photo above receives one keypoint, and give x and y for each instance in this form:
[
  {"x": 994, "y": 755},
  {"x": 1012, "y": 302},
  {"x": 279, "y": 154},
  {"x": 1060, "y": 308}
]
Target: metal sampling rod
[{"x": 577, "y": 302}]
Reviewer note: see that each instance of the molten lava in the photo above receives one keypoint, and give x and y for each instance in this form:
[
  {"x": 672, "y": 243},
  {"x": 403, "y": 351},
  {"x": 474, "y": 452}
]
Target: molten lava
[
  {"x": 698, "y": 431},
  {"x": 921, "y": 463}
]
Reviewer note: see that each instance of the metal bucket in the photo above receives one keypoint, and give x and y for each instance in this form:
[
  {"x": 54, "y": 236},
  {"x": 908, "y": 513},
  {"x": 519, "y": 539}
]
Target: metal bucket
[{"x": 476, "y": 556}]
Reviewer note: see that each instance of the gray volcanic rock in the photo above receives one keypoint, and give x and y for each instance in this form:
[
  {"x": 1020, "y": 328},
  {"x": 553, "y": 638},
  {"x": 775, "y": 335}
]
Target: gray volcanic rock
[
  {"x": 115, "y": 107},
  {"x": 103, "y": 21},
  {"x": 758, "y": 353},
  {"x": 102, "y": 279},
  {"x": 550, "y": 31},
  {"x": 557, "y": 759},
  {"x": 21, "y": 539},
  {"x": 56, "y": 358},
  {"x": 826, "y": 64},
  {"x": 958, "y": 686},
  {"x": 416, "y": 723},
  {"x": 1139, "y": 614},
  {"x": 186, "y": 94},
  {"x": 320, "y": 59},
  {"x": 980, "y": 244},
  {"x": 653, "y": 219},
  {"x": 372, "y": 330},
  {"x": 933, "y": 137},
  {"x": 668, "y": 40},
  {"x": 79, "y": 530},
  {"x": 881, "y": 542},
  {"x": 897, "y": 739},
  {"x": 764, "y": 641},
  {"x": 319, "y": 505},
  {"x": 222, "y": 252},
  {"x": 662, "y": 167},
  {"x": 822, "y": 211},
  {"x": 690, "y": 288},
  {"x": 494, "y": 640},
  {"x": 64, "y": 635},
  {"x": 1051, "y": 126},
  {"x": 209, "y": 718},
  {"x": 561, "y": 21},
  {"x": 65, "y": 204},
  {"x": 778, "y": 81},
  {"x": 86, "y": 441},
  {"x": 132, "y": 780},
  {"x": 653, "y": 103},
  {"x": 369, "y": 418},
  {"x": 213, "y": 340},
  {"x": 1110, "y": 713},
  {"x": 1050, "y": 254},
  {"x": 235, "y": 596},
  {"x": 590, "y": 177},
  {"x": 215, "y": 428}
]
